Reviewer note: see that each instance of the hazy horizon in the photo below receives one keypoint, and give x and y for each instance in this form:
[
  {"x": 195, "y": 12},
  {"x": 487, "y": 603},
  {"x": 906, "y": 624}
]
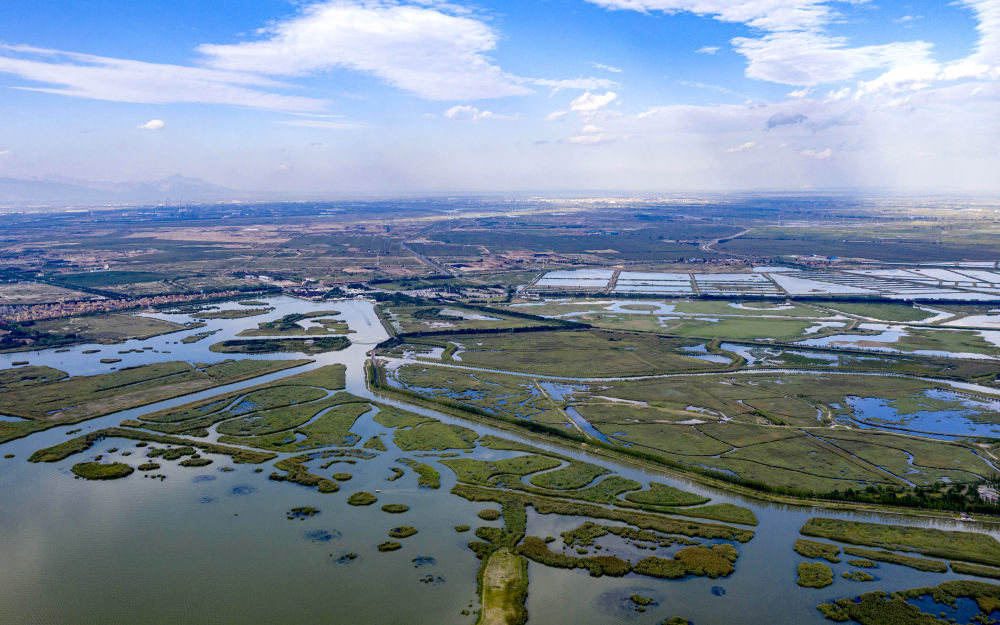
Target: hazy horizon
[{"x": 352, "y": 98}]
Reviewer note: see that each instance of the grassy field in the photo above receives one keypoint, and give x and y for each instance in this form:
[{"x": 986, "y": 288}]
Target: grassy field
[
  {"x": 106, "y": 329},
  {"x": 71, "y": 400},
  {"x": 480, "y": 471},
  {"x": 771, "y": 429},
  {"x": 966, "y": 546},
  {"x": 410, "y": 318},
  {"x": 504, "y": 589},
  {"x": 949, "y": 340},
  {"x": 815, "y": 575},
  {"x": 196, "y": 416},
  {"x": 271, "y": 346},
  {"x": 582, "y": 352},
  {"x": 290, "y": 325},
  {"x": 232, "y": 313},
  {"x": 814, "y": 550},
  {"x": 573, "y": 476},
  {"x": 27, "y": 293},
  {"x": 882, "y": 312},
  {"x": 97, "y": 279},
  {"x": 738, "y": 329},
  {"x": 435, "y": 437},
  {"x": 749, "y": 309},
  {"x": 499, "y": 394},
  {"x": 333, "y": 427}
]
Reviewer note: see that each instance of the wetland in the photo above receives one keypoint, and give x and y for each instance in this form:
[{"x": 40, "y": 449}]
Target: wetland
[{"x": 512, "y": 510}]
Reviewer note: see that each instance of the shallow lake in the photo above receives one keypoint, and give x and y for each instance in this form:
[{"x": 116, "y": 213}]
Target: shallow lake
[{"x": 215, "y": 546}]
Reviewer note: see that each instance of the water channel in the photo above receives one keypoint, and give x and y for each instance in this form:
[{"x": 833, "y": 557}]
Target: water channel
[{"x": 215, "y": 546}]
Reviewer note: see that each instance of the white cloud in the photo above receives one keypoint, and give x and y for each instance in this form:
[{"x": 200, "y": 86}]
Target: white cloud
[
  {"x": 427, "y": 48},
  {"x": 589, "y": 102},
  {"x": 121, "y": 80},
  {"x": 818, "y": 154},
  {"x": 471, "y": 113},
  {"x": 573, "y": 83},
  {"x": 607, "y": 68},
  {"x": 282, "y": 167},
  {"x": 590, "y": 128},
  {"x": 791, "y": 45},
  {"x": 708, "y": 50},
  {"x": 433, "y": 49},
  {"x": 554, "y": 115},
  {"x": 749, "y": 145},
  {"x": 799, "y": 93},
  {"x": 772, "y": 15},
  {"x": 808, "y": 58},
  {"x": 153, "y": 124}
]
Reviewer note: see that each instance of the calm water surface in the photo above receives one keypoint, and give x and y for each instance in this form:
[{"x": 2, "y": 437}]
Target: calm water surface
[{"x": 211, "y": 546}]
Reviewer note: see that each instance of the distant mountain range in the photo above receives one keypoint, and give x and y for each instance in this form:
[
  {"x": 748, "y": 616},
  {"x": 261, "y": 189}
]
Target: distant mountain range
[{"x": 65, "y": 191}]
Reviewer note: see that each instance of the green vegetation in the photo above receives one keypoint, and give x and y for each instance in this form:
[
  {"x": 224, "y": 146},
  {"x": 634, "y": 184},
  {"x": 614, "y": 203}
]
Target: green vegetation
[
  {"x": 75, "y": 399},
  {"x": 880, "y": 608},
  {"x": 392, "y": 417},
  {"x": 395, "y": 508},
  {"x": 974, "y": 569},
  {"x": 663, "y": 495},
  {"x": 726, "y": 512},
  {"x": 375, "y": 442},
  {"x": 488, "y": 514},
  {"x": 585, "y": 352},
  {"x": 99, "y": 471},
  {"x": 289, "y": 325},
  {"x": 296, "y": 472},
  {"x": 883, "y": 312},
  {"x": 921, "y": 564},
  {"x": 968, "y": 546},
  {"x": 196, "y": 462},
  {"x": 858, "y": 576},
  {"x": 317, "y": 345},
  {"x": 435, "y": 436},
  {"x": 232, "y": 313},
  {"x": 573, "y": 476},
  {"x": 427, "y": 476},
  {"x": 481, "y": 471},
  {"x": 302, "y": 513},
  {"x": 815, "y": 575},
  {"x": 713, "y": 562},
  {"x": 536, "y": 549},
  {"x": 403, "y": 531},
  {"x": 462, "y": 528},
  {"x": 362, "y": 498},
  {"x": 396, "y": 474},
  {"x": 813, "y": 550},
  {"x": 194, "y": 338},
  {"x": 342, "y": 477},
  {"x": 504, "y": 588},
  {"x": 279, "y": 428},
  {"x": 106, "y": 329},
  {"x": 739, "y": 328},
  {"x": 91, "y": 279},
  {"x": 864, "y": 564},
  {"x": 545, "y": 505},
  {"x": 389, "y": 546},
  {"x": 83, "y": 443}
]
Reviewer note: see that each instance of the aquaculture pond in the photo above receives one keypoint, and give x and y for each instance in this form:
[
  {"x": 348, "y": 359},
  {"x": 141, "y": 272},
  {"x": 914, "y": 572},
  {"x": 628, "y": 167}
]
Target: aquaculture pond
[{"x": 180, "y": 539}]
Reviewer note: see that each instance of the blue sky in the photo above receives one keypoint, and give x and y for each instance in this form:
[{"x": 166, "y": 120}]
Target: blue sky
[{"x": 404, "y": 96}]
